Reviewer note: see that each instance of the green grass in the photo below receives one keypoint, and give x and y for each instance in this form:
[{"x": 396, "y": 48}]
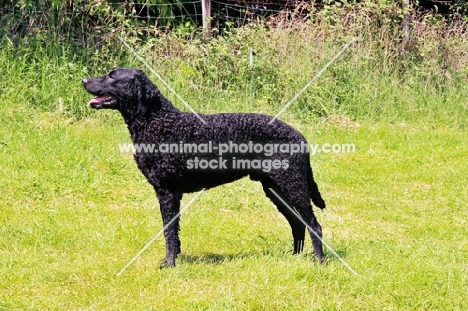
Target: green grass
[{"x": 74, "y": 211}]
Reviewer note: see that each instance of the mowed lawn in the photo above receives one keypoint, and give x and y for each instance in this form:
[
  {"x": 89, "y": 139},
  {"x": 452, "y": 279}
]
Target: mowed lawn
[{"x": 74, "y": 211}]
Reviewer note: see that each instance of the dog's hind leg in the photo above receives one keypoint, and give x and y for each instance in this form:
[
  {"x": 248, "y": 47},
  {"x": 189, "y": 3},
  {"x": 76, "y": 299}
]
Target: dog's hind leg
[
  {"x": 304, "y": 209},
  {"x": 297, "y": 227},
  {"x": 169, "y": 202},
  {"x": 296, "y": 195}
]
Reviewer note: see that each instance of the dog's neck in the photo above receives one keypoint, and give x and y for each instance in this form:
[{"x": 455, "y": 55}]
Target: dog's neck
[
  {"x": 166, "y": 106},
  {"x": 155, "y": 107}
]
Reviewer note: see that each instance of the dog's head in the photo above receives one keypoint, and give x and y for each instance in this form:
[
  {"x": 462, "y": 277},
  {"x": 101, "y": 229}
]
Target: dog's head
[{"x": 119, "y": 88}]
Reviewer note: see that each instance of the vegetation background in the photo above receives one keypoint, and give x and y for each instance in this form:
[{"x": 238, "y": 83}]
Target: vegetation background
[{"x": 74, "y": 210}]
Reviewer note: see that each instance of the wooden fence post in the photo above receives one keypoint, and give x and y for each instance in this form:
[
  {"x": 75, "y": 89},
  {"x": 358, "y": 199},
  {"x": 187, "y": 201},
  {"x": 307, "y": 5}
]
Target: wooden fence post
[
  {"x": 406, "y": 24},
  {"x": 206, "y": 13}
]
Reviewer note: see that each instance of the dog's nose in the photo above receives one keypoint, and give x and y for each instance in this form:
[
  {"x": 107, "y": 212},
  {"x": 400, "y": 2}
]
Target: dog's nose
[{"x": 84, "y": 81}]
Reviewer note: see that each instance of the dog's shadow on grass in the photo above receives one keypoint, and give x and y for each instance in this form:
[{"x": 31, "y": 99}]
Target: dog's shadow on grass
[
  {"x": 216, "y": 259},
  {"x": 211, "y": 258}
]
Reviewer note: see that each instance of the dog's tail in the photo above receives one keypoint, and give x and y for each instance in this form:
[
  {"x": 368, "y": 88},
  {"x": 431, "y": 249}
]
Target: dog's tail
[{"x": 313, "y": 189}]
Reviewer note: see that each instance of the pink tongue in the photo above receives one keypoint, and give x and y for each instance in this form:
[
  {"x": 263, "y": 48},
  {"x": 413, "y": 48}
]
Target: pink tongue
[{"x": 97, "y": 100}]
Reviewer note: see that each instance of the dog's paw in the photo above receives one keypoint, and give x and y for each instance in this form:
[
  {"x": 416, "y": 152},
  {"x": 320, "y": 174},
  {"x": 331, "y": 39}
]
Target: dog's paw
[
  {"x": 167, "y": 264},
  {"x": 319, "y": 259}
]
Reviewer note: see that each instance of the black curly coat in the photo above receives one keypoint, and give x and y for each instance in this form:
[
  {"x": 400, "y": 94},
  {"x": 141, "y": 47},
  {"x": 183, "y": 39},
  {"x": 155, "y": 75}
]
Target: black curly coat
[{"x": 152, "y": 119}]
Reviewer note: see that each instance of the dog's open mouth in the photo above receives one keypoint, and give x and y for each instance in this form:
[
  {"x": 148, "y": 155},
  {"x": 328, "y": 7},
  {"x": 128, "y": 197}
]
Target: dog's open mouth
[{"x": 101, "y": 102}]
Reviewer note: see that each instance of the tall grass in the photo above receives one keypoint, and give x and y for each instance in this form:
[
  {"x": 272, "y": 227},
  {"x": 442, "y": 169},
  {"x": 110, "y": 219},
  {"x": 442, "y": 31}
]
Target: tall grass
[
  {"x": 46, "y": 74},
  {"x": 375, "y": 79}
]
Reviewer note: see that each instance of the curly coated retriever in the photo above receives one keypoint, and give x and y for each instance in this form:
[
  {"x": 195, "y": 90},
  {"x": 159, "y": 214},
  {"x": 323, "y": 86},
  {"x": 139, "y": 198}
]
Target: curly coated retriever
[{"x": 191, "y": 155}]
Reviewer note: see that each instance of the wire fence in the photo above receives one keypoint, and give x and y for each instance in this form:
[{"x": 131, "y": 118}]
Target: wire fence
[
  {"x": 15, "y": 17},
  {"x": 236, "y": 13},
  {"x": 86, "y": 23}
]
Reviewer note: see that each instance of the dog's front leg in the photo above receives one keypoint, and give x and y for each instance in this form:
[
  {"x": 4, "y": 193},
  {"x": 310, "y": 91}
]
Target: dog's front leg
[{"x": 169, "y": 202}]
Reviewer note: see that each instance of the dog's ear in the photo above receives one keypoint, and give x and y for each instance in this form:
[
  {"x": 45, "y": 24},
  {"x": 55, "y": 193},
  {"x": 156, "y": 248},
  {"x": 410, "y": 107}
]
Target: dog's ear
[{"x": 148, "y": 93}]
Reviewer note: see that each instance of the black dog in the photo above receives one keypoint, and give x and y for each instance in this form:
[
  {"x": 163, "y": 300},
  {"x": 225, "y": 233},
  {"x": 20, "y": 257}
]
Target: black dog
[{"x": 230, "y": 146}]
